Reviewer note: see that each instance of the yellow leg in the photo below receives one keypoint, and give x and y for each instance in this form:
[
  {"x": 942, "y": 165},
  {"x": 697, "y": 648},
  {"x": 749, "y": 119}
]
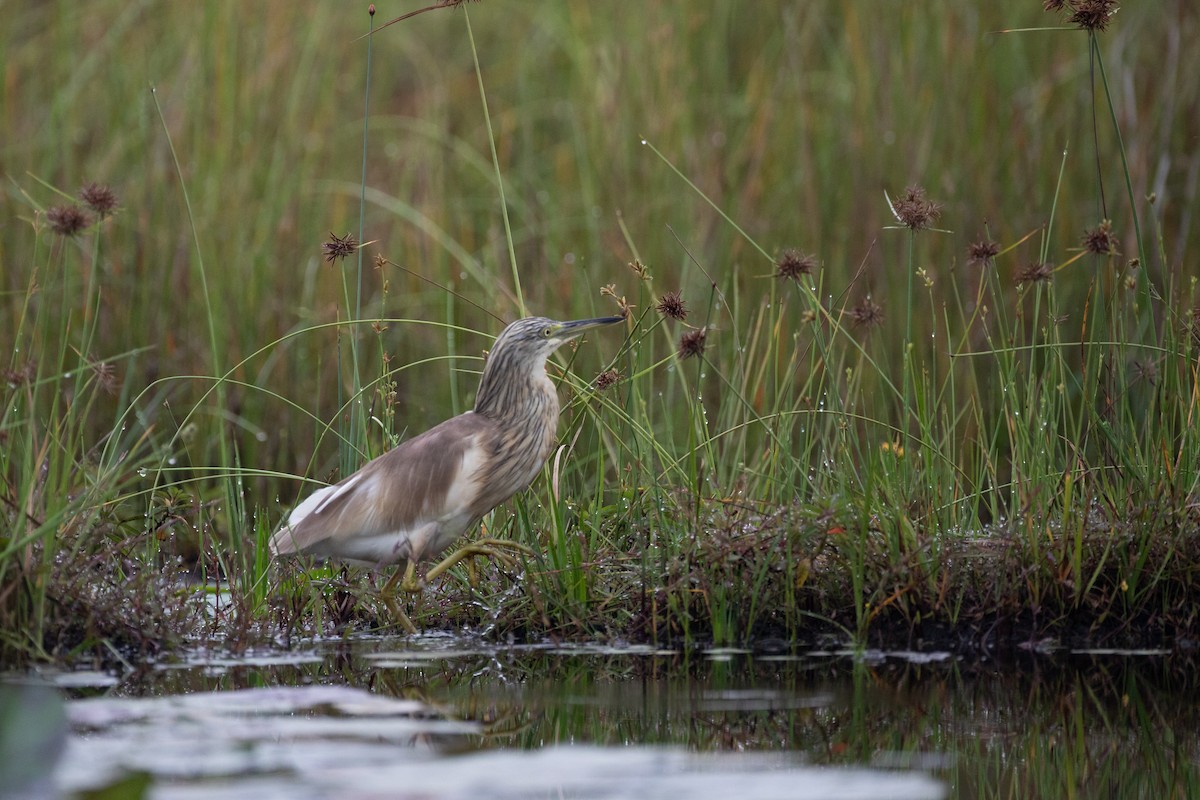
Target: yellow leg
[
  {"x": 388, "y": 595},
  {"x": 406, "y": 580},
  {"x": 492, "y": 548}
]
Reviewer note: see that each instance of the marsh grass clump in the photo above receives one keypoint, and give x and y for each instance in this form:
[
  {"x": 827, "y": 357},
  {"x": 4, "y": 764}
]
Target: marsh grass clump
[
  {"x": 977, "y": 459},
  {"x": 102, "y": 614}
]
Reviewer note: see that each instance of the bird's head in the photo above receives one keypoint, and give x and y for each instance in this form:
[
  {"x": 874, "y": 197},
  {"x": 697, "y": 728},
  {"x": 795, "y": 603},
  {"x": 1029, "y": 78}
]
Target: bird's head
[
  {"x": 520, "y": 352},
  {"x": 537, "y": 337}
]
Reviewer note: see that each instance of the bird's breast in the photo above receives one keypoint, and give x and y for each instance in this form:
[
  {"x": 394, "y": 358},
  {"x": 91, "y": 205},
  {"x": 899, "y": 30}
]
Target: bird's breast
[{"x": 521, "y": 445}]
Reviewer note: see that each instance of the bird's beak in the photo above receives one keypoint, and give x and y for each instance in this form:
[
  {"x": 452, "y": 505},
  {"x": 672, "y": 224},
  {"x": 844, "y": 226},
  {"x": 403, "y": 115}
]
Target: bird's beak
[{"x": 569, "y": 330}]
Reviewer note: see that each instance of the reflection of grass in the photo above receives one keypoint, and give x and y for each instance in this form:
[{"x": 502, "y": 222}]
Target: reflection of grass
[
  {"x": 1037, "y": 728},
  {"x": 888, "y": 435},
  {"x": 1023, "y": 726}
]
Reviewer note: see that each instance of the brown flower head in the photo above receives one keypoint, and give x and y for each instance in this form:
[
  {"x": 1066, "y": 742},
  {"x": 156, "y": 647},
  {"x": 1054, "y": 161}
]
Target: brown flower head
[
  {"x": 99, "y": 198},
  {"x": 1035, "y": 272},
  {"x": 339, "y": 247},
  {"x": 915, "y": 211},
  {"x": 1092, "y": 15},
  {"x": 692, "y": 343},
  {"x": 867, "y": 314},
  {"x": 106, "y": 376},
  {"x": 67, "y": 220},
  {"x": 982, "y": 252},
  {"x": 1053, "y": 5},
  {"x": 792, "y": 264},
  {"x": 607, "y": 379},
  {"x": 671, "y": 305},
  {"x": 1100, "y": 240}
]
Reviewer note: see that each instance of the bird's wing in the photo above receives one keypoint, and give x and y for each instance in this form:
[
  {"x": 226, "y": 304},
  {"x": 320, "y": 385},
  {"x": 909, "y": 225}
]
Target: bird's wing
[{"x": 424, "y": 480}]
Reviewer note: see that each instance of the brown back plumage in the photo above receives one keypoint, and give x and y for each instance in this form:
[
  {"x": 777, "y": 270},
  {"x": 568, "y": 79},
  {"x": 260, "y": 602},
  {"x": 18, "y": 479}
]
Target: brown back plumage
[{"x": 402, "y": 491}]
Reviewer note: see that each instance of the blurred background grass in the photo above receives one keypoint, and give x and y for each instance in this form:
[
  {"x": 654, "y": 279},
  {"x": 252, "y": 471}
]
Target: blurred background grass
[{"x": 793, "y": 119}]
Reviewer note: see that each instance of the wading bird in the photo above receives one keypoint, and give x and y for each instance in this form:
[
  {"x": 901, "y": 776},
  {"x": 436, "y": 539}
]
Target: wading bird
[{"x": 414, "y": 501}]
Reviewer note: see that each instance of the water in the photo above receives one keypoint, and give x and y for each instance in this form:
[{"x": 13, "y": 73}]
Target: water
[{"x": 447, "y": 717}]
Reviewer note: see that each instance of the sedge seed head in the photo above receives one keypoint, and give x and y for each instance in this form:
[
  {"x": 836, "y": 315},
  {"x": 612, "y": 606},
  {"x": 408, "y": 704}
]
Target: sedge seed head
[
  {"x": 671, "y": 305},
  {"x": 691, "y": 343},
  {"x": 67, "y": 220},
  {"x": 982, "y": 252},
  {"x": 867, "y": 313},
  {"x": 607, "y": 379},
  {"x": 100, "y": 198},
  {"x": 794, "y": 265},
  {"x": 338, "y": 247},
  {"x": 1035, "y": 272},
  {"x": 1092, "y": 15},
  {"x": 916, "y": 211},
  {"x": 1100, "y": 240}
]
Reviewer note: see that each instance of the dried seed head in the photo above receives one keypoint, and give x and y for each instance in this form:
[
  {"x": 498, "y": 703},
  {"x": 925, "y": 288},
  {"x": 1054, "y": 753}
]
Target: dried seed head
[
  {"x": 1053, "y": 5},
  {"x": 915, "y": 210},
  {"x": 692, "y": 343},
  {"x": 671, "y": 305},
  {"x": 100, "y": 198},
  {"x": 867, "y": 313},
  {"x": 982, "y": 252},
  {"x": 1035, "y": 272},
  {"x": 640, "y": 269},
  {"x": 67, "y": 220},
  {"x": 339, "y": 247},
  {"x": 607, "y": 379},
  {"x": 792, "y": 264},
  {"x": 1100, "y": 240},
  {"x": 1092, "y": 15},
  {"x": 106, "y": 376},
  {"x": 25, "y": 373},
  {"x": 1145, "y": 370}
]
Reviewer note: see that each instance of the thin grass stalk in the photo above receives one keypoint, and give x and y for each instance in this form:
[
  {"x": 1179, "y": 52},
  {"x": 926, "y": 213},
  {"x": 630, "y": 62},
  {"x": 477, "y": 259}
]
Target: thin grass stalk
[
  {"x": 222, "y": 435},
  {"x": 491, "y": 135}
]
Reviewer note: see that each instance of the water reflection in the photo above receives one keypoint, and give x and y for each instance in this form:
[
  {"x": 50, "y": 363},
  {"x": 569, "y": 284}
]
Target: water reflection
[{"x": 387, "y": 710}]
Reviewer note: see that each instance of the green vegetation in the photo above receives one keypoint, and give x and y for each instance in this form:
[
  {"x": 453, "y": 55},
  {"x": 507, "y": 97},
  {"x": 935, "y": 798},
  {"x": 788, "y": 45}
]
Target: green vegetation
[{"x": 968, "y": 414}]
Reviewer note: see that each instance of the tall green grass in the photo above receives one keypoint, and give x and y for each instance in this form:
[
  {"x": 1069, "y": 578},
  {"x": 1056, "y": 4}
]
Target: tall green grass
[{"x": 899, "y": 436}]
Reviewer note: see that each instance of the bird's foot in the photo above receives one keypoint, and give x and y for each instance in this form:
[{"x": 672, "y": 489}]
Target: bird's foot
[
  {"x": 404, "y": 580},
  {"x": 389, "y": 601},
  {"x": 503, "y": 551}
]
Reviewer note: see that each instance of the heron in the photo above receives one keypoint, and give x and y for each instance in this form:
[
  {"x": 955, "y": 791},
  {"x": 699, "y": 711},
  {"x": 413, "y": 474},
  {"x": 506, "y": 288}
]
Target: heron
[{"x": 410, "y": 504}]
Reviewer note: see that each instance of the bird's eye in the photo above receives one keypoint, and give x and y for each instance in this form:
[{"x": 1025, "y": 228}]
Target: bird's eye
[{"x": 546, "y": 332}]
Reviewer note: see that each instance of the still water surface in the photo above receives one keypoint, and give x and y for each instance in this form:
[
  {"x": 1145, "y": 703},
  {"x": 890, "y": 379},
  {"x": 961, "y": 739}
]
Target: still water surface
[{"x": 447, "y": 717}]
